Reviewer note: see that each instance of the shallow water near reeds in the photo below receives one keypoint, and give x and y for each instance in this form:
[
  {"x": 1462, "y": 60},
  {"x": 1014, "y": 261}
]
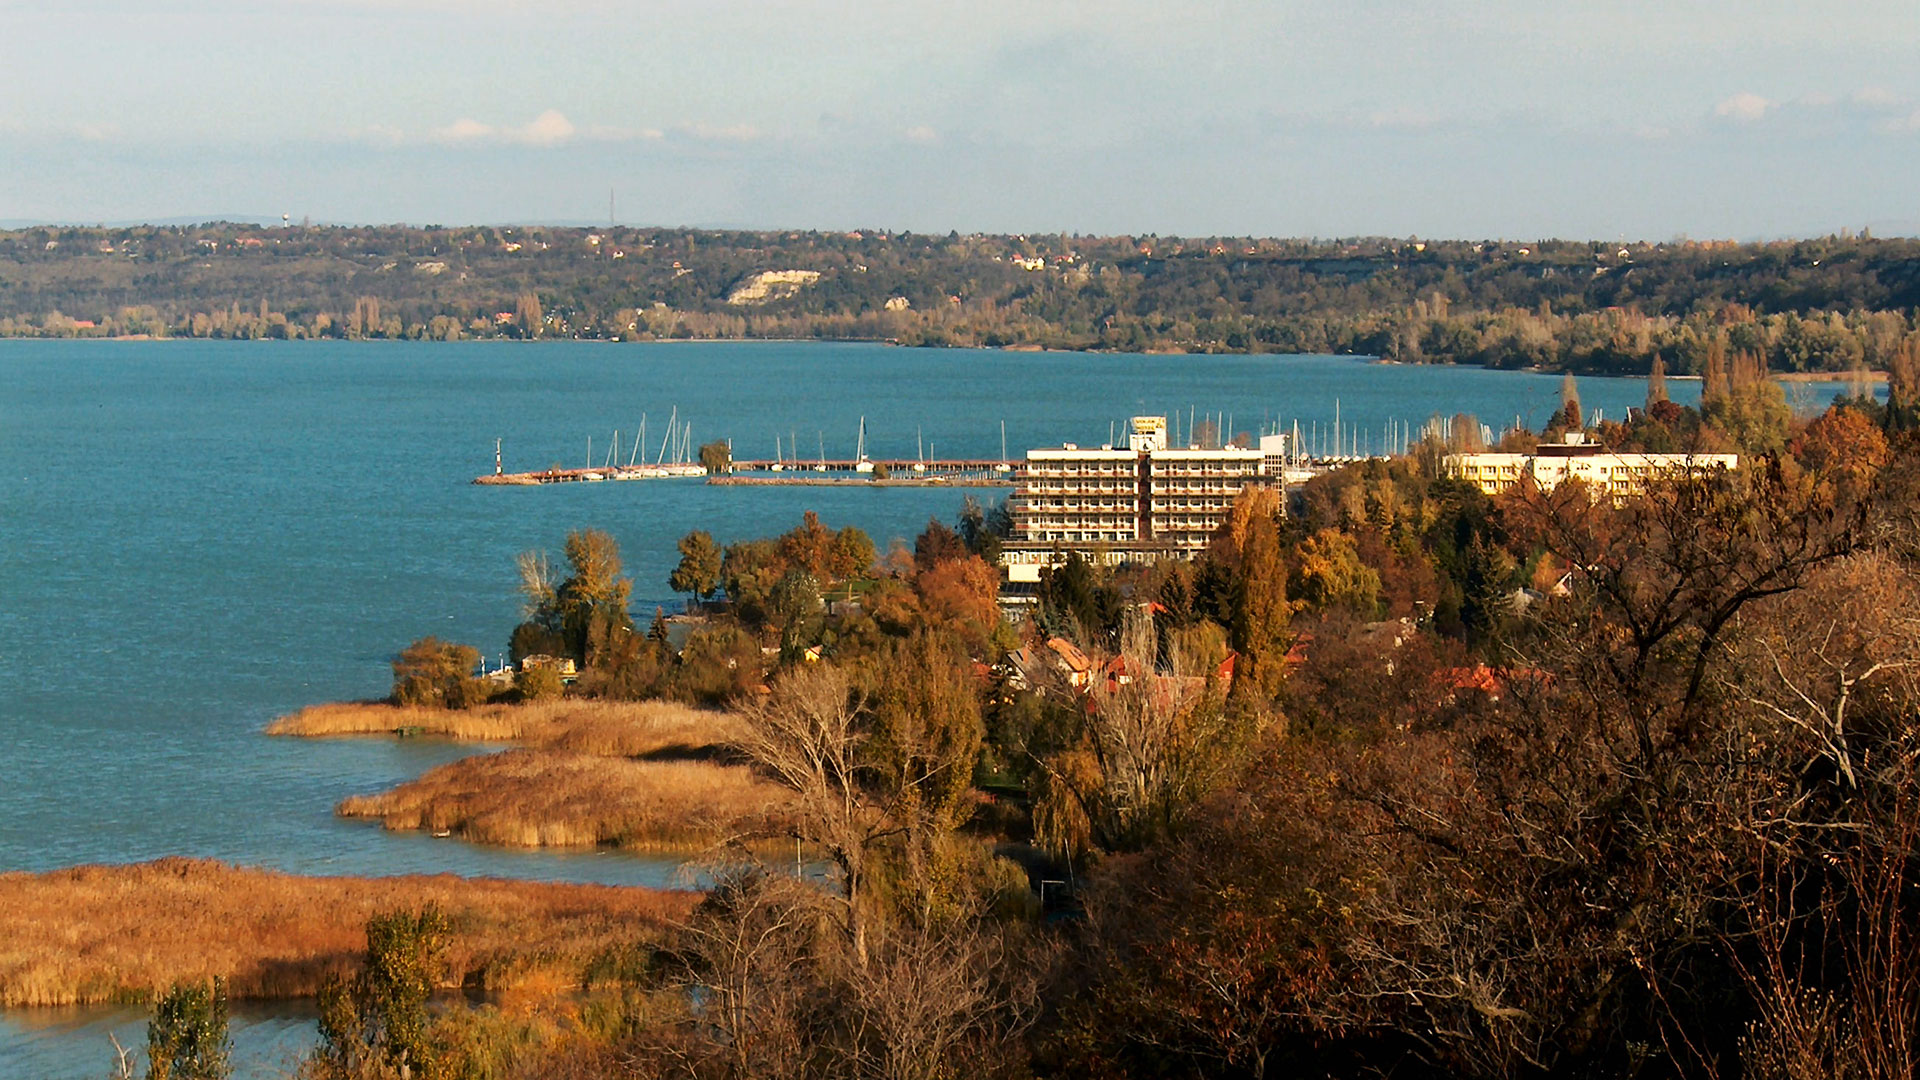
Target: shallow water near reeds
[
  {"x": 269, "y": 1039},
  {"x": 196, "y": 537}
]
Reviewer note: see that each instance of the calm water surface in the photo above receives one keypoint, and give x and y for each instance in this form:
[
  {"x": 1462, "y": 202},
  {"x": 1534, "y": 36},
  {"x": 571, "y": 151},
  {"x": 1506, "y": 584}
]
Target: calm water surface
[{"x": 196, "y": 537}]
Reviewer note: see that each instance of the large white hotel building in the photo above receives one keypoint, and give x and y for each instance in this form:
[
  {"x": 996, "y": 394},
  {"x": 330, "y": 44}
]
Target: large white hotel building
[
  {"x": 1115, "y": 504},
  {"x": 1616, "y": 476}
]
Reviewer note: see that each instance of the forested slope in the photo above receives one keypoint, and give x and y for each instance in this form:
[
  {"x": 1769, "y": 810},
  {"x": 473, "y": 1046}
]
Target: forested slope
[{"x": 1834, "y": 303}]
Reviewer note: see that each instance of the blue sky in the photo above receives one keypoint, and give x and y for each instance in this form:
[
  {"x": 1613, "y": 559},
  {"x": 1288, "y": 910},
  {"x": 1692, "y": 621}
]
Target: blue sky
[{"x": 1495, "y": 118}]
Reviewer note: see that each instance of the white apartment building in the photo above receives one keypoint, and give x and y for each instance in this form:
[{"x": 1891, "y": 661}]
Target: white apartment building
[
  {"x": 1615, "y": 475},
  {"x": 1114, "y": 504}
]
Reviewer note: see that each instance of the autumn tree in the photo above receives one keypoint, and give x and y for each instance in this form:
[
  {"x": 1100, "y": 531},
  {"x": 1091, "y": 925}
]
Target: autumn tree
[
  {"x": 1262, "y": 611},
  {"x": 1752, "y": 411},
  {"x": 1842, "y": 447},
  {"x": 187, "y": 1036},
  {"x": 1328, "y": 572},
  {"x": 1077, "y": 601},
  {"x": 984, "y": 529},
  {"x": 699, "y": 569},
  {"x": 926, "y": 738},
  {"x": 830, "y": 557},
  {"x": 809, "y": 733},
  {"x": 528, "y": 316},
  {"x": 749, "y": 569},
  {"x": 749, "y": 943},
  {"x": 961, "y": 596},
  {"x": 937, "y": 544},
  {"x": 1713, "y": 387},
  {"x": 1903, "y": 385},
  {"x": 717, "y": 457},
  {"x": 583, "y": 614},
  {"x": 378, "y": 1019},
  {"x": 795, "y": 606},
  {"x": 1570, "y": 417},
  {"x": 1150, "y": 742},
  {"x": 437, "y": 673}
]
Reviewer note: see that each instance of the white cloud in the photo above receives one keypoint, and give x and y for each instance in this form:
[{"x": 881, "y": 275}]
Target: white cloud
[
  {"x": 921, "y": 133},
  {"x": 550, "y": 128},
  {"x": 606, "y": 133},
  {"x": 464, "y": 129},
  {"x": 1745, "y": 107}
]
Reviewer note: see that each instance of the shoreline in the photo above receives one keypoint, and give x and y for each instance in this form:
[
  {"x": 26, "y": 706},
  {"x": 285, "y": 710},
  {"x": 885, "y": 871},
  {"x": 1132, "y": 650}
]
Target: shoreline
[{"x": 1838, "y": 377}]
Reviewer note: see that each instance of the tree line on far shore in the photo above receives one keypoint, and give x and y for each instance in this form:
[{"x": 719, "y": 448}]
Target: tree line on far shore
[{"x": 1830, "y": 304}]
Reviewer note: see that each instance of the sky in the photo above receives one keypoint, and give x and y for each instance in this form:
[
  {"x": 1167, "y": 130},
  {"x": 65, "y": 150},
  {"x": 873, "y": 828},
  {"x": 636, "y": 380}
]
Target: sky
[{"x": 1432, "y": 118}]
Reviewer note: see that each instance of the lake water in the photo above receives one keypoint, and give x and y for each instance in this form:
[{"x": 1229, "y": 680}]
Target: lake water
[{"x": 196, "y": 537}]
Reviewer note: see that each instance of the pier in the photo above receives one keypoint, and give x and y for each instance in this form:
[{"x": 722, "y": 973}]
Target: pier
[
  {"x": 578, "y": 476},
  {"x": 946, "y": 466},
  {"x": 903, "y": 473}
]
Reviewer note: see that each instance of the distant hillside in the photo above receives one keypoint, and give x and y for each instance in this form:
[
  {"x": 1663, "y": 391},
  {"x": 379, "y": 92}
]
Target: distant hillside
[{"x": 1815, "y": 305}]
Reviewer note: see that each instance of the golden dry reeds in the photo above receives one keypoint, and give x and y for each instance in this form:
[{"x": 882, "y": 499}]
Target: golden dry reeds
[
  {"x": 93, "y": 934},
  {"x": 618, "y": 728},
  {"x": 543, "y": 798},
  {"x": 649, "y": 775}
]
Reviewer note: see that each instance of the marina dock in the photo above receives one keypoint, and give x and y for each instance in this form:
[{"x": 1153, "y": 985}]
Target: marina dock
[{"x": 905, "y": 473}]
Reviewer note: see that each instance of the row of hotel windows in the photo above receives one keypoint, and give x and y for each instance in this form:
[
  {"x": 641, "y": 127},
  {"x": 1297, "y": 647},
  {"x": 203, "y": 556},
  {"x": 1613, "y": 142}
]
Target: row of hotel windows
[
  {"x": 1497, "y": 471},
  {"x": 1071, "y": 489},
  {"x": 1250, "y": 468},
  {"x": 1124, "y": 468},
  {"x": 1159, "y": 488},
  {"x": 1156, "y": 468},
  {"x": 1125, "y": 496},
  {"x": 1070, "y": 537},
  {"x": 1189, "y": 519},
  {"x": 1120, "y": 506},
  {"x": 1198, "y": 489}
]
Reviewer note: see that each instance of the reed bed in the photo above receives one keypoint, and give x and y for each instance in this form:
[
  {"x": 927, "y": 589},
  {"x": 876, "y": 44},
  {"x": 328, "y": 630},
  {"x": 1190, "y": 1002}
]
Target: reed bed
[
  {"x": 547, "y": 798},
  {"x": 644, "y": 776},
  {"x": 613, "y": 728},
  {"x": 96, "y": 934}
]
